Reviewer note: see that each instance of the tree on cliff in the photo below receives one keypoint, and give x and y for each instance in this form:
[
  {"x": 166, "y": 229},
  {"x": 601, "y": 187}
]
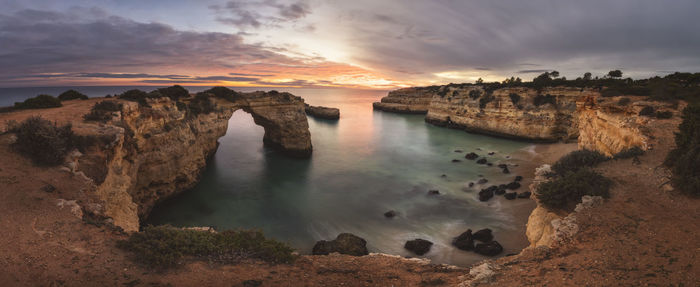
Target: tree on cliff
[{"x": 479, "y": 81}]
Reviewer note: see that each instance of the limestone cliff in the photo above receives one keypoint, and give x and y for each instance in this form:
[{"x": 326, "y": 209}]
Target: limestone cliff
[
  {"x": 525, "y": 113},
  {"x": 160, "y": 150},
  {"x": 414, "y": 100}
]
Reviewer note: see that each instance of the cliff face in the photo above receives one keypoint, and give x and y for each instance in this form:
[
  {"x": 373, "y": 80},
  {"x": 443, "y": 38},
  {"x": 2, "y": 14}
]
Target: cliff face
[
  {"x": 408, "y": 100},
  {"x": 160, "y": 151},
  {"x": 549, "y": 115}
]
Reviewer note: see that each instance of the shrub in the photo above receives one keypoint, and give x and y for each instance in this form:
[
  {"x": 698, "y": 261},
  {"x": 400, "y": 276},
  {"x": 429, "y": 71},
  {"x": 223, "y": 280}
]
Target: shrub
[
  {"x": 201, "y": 104},
  {"x": 42, "y": 141},
  {"x": 166, "y": 246},
  {"x": 664, "y": 114},
  {"x": 647, "y": 111},
  {"x": 515, "y": 98},
  {"x": 564, "y": 192},
  {"x": 39, "y": 102},
  {"x": 103, "y": 111},
  {"x": 72, "y": 95},
  {"x": 474, "y": 94},
  {"x": 623, "y": 101},
  {"x": 135, "y": 95},
  {"x": 175, "y": 92},
  {"x": 541, "y": 100},
  {"x": 629, "y": 153},
  {"x": 223, "y": 93},
  {"x": 576, "y": 160},
  {"x": 485, "y": 100},
  {"x": 684, "y": 160}
]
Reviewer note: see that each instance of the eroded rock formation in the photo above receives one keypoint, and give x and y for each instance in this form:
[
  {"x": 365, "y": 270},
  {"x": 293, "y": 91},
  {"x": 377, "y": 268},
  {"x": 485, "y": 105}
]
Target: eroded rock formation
[
  {"x": 323, "y": 112},
  {"x": 414, "y": 100},
  {"x": 160, "y": 150}
]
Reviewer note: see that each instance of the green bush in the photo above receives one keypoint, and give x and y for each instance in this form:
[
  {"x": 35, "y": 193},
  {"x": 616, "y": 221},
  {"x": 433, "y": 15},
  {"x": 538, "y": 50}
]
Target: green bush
[
  {"x": 623, "y": 101},
  {"x": 684, "y": 160},
  {"x": 664, "y": 114},
  {"x": 42, "y": 141},
  {"x": 72, "y": 95},
  {"x": 629, "y": 153},
  {"x": 485, "y": 100},
  {"x": 223, "y": 93},
  {"x": 564, "y": 192},
  {"x": 576, "y": 160},
  {"x": 175, "y": 92},
  {"x": 474, "y": 94},
  {"x": 541, "y": 100},
  {"x": 201, "y": 104},
  {"x": 103, "y": 111},
  {"x": 39, "y": 102},
  {"x": 166, "y": 246}
]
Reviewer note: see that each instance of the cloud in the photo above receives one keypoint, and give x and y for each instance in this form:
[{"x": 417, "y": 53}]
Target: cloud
[
  {"x": 227, "y": 78},
  {"x": 245, "y": 14},
  {"x": 532, "y": 71}
]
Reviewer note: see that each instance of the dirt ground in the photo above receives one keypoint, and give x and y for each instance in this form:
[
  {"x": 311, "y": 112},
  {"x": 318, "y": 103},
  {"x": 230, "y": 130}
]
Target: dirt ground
[{"x": 646, "y": 234}]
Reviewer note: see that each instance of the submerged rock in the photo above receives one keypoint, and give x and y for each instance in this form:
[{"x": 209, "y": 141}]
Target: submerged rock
[
  {"x": 510, "y": 195},
  {"x": 482, "y": 181},
  {"x": 471, "y": 184},
  {"x": 502, "y": 165},
  {"x": 483, "y": 235},
  {"x": 418, "y": 246},
  {"x": 499, "y": 191},
  {"x": 322, "y": 112},
  {"x": 525, "y": 194},
  {"x": 518, "y": 178},
  {"x": 464, "y": 241},
  {"x": 492, "y": 153},
  {"x": 456, "y": 160},
  {"x": 390, "y": 214},
  {"x": 506, "y": 170},
  {"x": 433, "y": 192},
  {"x": 471, "y": 156},
  {"x": 492, "y": 248},
  {"x": 481, "y": 161},
  {"x": 485, "y": 195},
  {"x": 48, "y": 188},
  {"x": 458, "y": 150},
  {"x": 513, "y": 185},
  {"x": 345, "y": 243}
]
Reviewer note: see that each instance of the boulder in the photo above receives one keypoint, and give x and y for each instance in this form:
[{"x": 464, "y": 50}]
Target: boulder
[
  {"x": 482, "y": 181},
  {"x": 345, "y": 243},
  {"x": 471, "y": 184},
  {"x": 492, "y": 248},
  {"x": 518, "y": 178},
  {"x": 491, "y": 188},
  {"x": 464, "y": 241},
  {"x": 510, "y": 195},
  {"x": 481, "y": 161},
  {"x": 456, "y": 160},
  {"x": 502, "y": 165},
  {"x": 433, "y": 192},
  {"x": 418, "y": 246},
  {"x": 484, "y": 235},
  {"x": 525, "y": 194},
  {"x": 513, "y": 185},
  {"x": 48, "y": 188},
  {"x": 499, "y": 191},
  {"x": 322, "y": 112},
  {"x": 492, "y": 153},
  {"x": 471, "y": 156},
  {"x": 506, "y": 170},
  {"x": 489, "y": 164},
  {"x": 390, "y": 214},
  {"x": 485, "y": 195}
]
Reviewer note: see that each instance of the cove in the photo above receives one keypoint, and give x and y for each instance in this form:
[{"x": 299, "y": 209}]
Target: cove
[{"x": 363, "y": 165}]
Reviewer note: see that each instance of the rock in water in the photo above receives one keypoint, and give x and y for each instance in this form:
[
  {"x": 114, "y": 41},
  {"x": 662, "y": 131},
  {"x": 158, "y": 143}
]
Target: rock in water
[
  {"x": 500, "y": 191},
  {"x": 48, "y": 188},
  {"x": 390, "y": 214},
  {"x": 464, "y": 241},
  {"x": 492, "y": 248},
  {"x": 525, "y": 194},
  {"x": 322, "y": 112},
  {"x": 518, "y": 178},
  {"x": 483, "y": 235},
  {"x": 510, "y": 195},
  {"x": 482, "y": 181},
  {"x": 513, "y": 185},
  {"x": 506, "y": 170},
  {"x": 345, "y": 243},
  {"x": 471, "y": 156},
  {"x": 418, "y": 246},
  {"x": 456, "y": 160},
  {"x": 481, "y": 161},
  {"x": 485, "y": 195},
  {"x": 433, "y": 192}
]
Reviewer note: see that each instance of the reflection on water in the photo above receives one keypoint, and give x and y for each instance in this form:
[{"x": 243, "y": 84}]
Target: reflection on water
[{"x": 363, "y": 165}]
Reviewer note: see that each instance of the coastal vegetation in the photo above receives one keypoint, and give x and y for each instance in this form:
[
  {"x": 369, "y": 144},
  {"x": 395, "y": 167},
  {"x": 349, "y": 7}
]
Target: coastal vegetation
[
  {"x": 684, "y": 160},
  {"x": 72, "y": 95},
  {"x": 165, "y": 246},
  {"x": 573, "y": 178},
  {"x": 39, "y": 102},
  {"x": 103, "y": 111}
]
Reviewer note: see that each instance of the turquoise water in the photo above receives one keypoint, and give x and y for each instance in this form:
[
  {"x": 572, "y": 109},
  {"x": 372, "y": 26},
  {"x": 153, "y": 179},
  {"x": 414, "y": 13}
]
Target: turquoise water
[{"x": 362, "y": 166}]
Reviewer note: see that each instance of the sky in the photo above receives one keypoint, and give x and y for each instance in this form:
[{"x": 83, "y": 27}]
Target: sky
[{"x": 377, "y": 44}]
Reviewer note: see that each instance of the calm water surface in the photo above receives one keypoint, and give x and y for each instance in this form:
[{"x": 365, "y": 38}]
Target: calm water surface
[{"x": 362, "y": 166}]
